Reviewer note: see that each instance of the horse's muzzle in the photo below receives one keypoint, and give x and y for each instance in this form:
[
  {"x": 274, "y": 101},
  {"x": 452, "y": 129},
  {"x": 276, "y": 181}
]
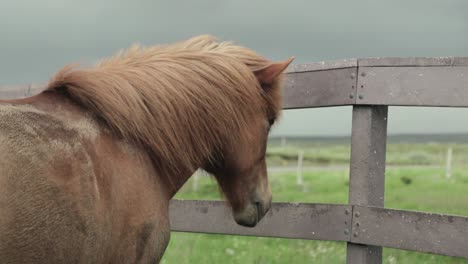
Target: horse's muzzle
[{"x": 253, "y": 212}]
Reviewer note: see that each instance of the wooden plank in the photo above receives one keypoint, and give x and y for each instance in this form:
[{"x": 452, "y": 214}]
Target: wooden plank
[
  {"x": 410, "y": 81},
  {"x": 367, "y": 171},
  {"x": 320, "y": 88},
  {"x": 285, "y": 220},
  {"x": 322, "y": 66},
  {"x": 413, "y": 61},
  {"x": 408, "y": 230},
  {"x": 416, "y": 231},
  {"x": 413, "y": 86}
]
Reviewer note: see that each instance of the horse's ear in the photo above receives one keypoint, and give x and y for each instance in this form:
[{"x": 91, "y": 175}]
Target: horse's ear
[{"x": 268, "y": 74}]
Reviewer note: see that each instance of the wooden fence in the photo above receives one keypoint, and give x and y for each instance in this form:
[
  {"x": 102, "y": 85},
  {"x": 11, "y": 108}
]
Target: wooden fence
[{"x": 370, "y": 86}]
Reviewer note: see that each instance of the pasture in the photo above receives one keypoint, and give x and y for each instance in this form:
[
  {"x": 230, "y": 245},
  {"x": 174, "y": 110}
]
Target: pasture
[{"x": 415, "y": 181}]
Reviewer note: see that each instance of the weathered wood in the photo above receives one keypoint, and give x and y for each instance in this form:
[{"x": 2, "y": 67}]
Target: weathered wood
[
  {"x": 413, "y": 61},
  {"x": 300, "y": 158},
  {"x": 322, "y": 66},
  {"x": 286, "y": 220},
  {"x": 361, "y": 225},
  {"x": 416, "y": 231},
  {"x": 320, "y": 88},
  {"x": 448, "y": 165},
  {"x": 441, "y": 81},
  {"x": 413, "y": 86},
  {"x": 367, "y": 171}
]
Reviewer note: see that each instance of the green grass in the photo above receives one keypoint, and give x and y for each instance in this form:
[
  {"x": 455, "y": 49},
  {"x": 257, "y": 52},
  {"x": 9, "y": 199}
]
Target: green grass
[
  {"x": 397, "y": 154},
  {"x": 410, "y": 188}
]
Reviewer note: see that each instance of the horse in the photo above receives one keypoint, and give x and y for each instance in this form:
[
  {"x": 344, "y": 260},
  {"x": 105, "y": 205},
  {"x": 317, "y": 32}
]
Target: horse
[{"x": 88, "y": 166}]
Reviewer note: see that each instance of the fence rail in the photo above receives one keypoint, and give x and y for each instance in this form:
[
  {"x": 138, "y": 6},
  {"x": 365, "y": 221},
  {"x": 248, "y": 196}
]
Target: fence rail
[
  {"x": 379, "y": 81},
  {"x": 370, "y": 86},
  {"x": 409, "y": 230}
]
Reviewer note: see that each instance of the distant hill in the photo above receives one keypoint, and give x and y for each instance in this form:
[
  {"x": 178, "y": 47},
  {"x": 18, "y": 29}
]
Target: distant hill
[{"x": 403, "y": 138}]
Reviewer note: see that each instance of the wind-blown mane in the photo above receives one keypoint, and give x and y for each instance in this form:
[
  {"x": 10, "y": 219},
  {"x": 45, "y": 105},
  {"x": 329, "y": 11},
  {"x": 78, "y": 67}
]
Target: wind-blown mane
[{"x": 180, "y": 101}]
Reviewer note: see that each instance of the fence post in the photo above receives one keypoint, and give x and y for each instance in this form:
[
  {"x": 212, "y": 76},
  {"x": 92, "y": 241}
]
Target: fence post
[
  {"x": 300, "y": 157},
  {"x": 367, "y": 173},
  {"x": 195, "y": 177},
  {"x": 448, "y": 168}
]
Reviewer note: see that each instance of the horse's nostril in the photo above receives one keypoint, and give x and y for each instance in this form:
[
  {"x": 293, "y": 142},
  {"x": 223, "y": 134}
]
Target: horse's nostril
[{"x": 258, "y": 205}]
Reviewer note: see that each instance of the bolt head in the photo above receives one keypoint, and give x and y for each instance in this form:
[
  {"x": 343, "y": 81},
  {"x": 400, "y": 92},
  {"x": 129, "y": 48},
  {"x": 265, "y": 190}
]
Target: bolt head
[
  {"x": 357, "y": 214},
  {"x": 361, "y": 96},
  {"x": 363, "y": 74}
]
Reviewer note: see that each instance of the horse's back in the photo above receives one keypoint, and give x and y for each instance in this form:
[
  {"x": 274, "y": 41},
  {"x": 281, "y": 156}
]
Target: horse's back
[
  {"x": 72, "y": 193},
  {"x": 37, "y": 181}
]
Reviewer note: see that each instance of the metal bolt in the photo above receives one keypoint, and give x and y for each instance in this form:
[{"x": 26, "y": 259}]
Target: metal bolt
[
  {"x": 352, "y": 87},
  {"x": 361, "y": 96},
  {"x": 347, "y": 211},
  {"x": 351, "y": 96},
  {"x": 353, "y": 75},
  {"x": 363, "y": 74},
  {"x": 346, "y": 232},
  {"x": 357, "y": 214},
  {"x": 358, "y": 224},
  {"x": 355, "y": 234},
  {"x": 345, "y": 222},
  {"x": 362, "y": 86}
]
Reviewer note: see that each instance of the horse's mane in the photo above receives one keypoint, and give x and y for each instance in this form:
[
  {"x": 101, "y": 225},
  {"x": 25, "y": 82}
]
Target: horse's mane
[{"x": 179, "y": 101}]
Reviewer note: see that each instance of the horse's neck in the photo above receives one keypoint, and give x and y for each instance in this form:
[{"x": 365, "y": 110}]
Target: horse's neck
[
  {"x": 173, "y": 183},
  {"x": 59, "y": 105}
]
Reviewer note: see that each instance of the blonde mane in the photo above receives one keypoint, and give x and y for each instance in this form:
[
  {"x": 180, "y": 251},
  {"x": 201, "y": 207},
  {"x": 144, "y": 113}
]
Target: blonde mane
[{"x": 180, "y": 102}]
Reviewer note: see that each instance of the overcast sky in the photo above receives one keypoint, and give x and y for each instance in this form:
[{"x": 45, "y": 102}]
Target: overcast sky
[{"x": 38, "y": 37}]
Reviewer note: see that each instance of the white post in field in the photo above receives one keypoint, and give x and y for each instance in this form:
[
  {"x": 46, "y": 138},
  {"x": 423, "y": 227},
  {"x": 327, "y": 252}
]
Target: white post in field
[
  {"x": 448, "y": 169},
  {"x": 300, "y": 158},
  {"x": 196, "y": 176},
  {"x": 283, "y": 142}
]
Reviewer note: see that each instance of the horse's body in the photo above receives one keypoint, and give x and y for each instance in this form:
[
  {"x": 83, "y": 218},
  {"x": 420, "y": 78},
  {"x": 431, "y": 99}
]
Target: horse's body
[
  {"x": 77, "y": 186},
  {"x": 71, "y": 192}
]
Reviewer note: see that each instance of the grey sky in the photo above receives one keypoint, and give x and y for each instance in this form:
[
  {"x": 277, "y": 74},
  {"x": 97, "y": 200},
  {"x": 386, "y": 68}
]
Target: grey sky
[{"x": 38, "y": 37}]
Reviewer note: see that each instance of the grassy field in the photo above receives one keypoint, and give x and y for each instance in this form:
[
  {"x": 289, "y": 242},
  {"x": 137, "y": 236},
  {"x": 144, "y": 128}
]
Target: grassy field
[
  {"x": 397, "y": 154},
  {"x": 422, "y": 188}
]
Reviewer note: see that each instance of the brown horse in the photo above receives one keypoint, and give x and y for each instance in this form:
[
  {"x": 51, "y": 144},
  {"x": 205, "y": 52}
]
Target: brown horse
[{"x": 88, "y": 166}]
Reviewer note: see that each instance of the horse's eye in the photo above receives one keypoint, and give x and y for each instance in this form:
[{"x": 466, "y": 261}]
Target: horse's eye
[{"x": 271, "y": 121}]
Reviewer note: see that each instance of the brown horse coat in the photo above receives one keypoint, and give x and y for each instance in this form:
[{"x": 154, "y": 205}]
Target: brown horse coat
[{"x": 71, "y": 192}]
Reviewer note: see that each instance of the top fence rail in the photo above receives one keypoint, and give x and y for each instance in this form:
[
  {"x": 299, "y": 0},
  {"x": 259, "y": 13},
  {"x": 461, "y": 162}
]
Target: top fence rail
[{"x": 440, "y": 81}]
